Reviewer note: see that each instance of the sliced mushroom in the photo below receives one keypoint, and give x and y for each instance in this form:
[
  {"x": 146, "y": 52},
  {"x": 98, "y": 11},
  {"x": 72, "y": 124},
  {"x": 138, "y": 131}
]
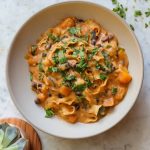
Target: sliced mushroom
[
  {"x": 72, "y": 63},
  {"x": 60, "y": 95},
  {"x": 37, "y": 101},
  {"x": 52, "y": 80},
  {"x": 34, "y": 85},
  {"x": 80, "y": 20},
  {"x": 48, "y": 46},
  {"x": 110, "y": 36},
  {"x": 44, "y": 54},
  {"x": 104, "y": 38},
  {"x": 94, "y": 38},
  {"x": 77, "y": 106}
]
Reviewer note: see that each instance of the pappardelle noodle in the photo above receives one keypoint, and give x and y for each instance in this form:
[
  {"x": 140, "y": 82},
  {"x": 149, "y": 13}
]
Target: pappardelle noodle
[{"x": 78, "y": 70}]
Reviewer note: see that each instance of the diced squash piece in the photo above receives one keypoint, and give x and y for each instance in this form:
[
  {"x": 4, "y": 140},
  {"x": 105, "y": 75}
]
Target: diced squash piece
[
  {"x": 72, "y": 118},
  {"x": 65, "y": 90},
  {"x": 41, "y": 97},
  {"x": 124, "y": 77},
  {"x": 68, "y": 22},
  {"x": 121, "y": 53},
  {"x": 47, "y": 62},
  {"x": 108, "y": 102}
]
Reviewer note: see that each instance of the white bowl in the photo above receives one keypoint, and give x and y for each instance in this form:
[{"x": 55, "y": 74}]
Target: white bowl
[{"x": 18, "y": 74}]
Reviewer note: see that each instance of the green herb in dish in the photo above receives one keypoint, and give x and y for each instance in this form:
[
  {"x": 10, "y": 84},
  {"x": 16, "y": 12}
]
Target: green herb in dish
[
  {"x": 100, "y": 67},
  {"x": 49, "y": 113},
  {"x": 80, "y": 98},
  {"x": 114, "y": 90},
  {"x": 81, "y": 66},
  {"x": 108, "y": 46},
  {"x": 40, "y": 66},
  {"x": 31, "y": 76},
  {"x": 55, "y": 59},
  {"x": 80, "y": 87},
  {"x": 53, "y": 69},
  {"x": 94, "y": 52},
  {"x": 74, "y": 30},
  {"x": 70, "y": 78},
  {"x": 88, "y": 82},
  {"x": 61, "y": 57},
  {"x": 41, "y": 76},
  {"x": 53, "y": 37},
  {"x": 103, "y": 76}
]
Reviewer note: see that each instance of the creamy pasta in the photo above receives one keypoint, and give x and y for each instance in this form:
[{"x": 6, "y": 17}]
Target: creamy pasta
[{"x": 78, "y": 70}]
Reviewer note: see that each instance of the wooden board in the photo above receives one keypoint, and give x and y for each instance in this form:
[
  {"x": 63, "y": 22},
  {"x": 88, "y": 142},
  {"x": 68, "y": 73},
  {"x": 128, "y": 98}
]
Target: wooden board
[{"x": 30, "y": 133}]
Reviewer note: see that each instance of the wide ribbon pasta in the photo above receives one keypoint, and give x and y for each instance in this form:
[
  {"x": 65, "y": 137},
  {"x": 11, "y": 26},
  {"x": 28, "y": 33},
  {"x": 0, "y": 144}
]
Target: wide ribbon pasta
[{"x": 78, "y": 70}]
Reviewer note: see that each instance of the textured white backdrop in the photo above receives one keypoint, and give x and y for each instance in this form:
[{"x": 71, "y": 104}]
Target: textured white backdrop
[{"x": 133, "y": 132}]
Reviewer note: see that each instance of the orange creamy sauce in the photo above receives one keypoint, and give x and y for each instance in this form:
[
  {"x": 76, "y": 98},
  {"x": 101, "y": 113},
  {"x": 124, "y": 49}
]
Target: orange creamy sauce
[{"x": 78, "y": 70}]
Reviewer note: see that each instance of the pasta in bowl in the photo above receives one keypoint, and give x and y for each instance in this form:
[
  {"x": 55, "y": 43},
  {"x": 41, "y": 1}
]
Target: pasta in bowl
[{"x": 78, "y": 70}]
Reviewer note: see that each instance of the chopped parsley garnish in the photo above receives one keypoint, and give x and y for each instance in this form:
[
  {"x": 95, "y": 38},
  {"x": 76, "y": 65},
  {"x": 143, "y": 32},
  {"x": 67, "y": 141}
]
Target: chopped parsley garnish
[
  {"x": 74, "y": 30},
  {"x": 79, "y": 52},
  {"x": 59, "y": 57},
  {"x": 121, "y": 49},
  {"x": 103, "y": 76},
  {"x": 100, "y": 67},
  {"x": 147, "y": 13},
  {"x": 63, "y": 60},
  {"x": 75, "y": 53},
  {"x": 146, "y": 25},
  {"x": 80, "y": 87},
  {"x": 73, "y": 39},
  {"x": 55, "y": 59},
  {"x": 114, "y": 90},
  {"x": 131, "y": 26},
  {"x": 137, "y": 13},
  {"x": 40, "y": 66},
  {"x": 41, "y": 76},
  {"x": 31, "y": 76},
  {"x": 105, "y": 54},
  {"x": 80, "y": 98},
  {"x": 114, "y": 1},
  {"x": 70, "y": 78},
  {"x": 53, "y": 69},
  {"x": 108, "y": 46},
  {"x": 81, "y": 66},
  {"x": 88, "y": 82},
  {"x": 49, "y": 113},
  {"x": 108, "y": 65},
  {"x": 94, "y": 51},
  {"x": 53, "y": 37},
  {"x": 86, "y": 37},
  {"x": 120, "y": 10}
]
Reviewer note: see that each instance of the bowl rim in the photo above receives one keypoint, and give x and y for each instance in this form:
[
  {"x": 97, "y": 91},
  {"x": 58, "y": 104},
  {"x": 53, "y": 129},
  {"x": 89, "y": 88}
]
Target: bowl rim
[{"x": 63, "y": 3}]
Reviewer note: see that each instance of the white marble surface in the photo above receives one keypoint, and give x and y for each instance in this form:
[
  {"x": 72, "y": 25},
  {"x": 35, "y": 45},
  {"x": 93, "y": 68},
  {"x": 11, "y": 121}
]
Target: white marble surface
[{"x": 133, "y": 132}]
